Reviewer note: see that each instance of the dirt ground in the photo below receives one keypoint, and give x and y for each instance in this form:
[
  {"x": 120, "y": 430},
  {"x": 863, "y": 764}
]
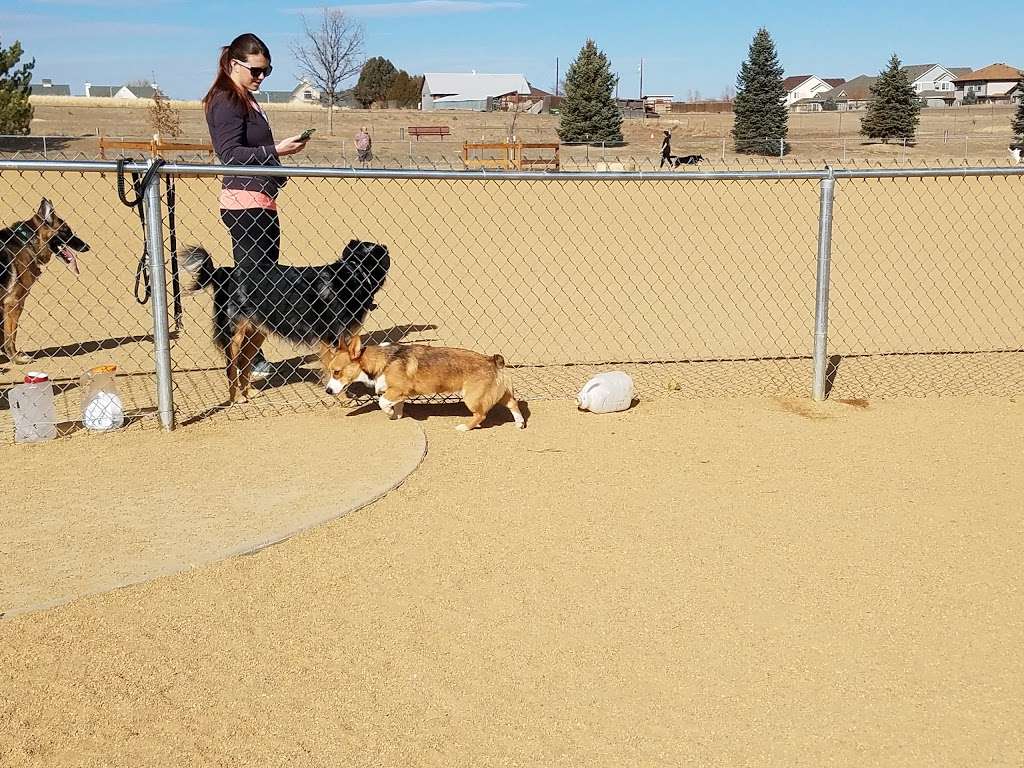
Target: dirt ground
[
  {"x": 756, "y": 580},
  {"x": 978, "y": 134},
  {"x": 715, "y": 582},
  {"x": 60, "y": 547}
]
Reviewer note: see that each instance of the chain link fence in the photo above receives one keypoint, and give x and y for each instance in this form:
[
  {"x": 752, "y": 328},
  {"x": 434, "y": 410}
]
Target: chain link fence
[{"x": 696, "y": 283}]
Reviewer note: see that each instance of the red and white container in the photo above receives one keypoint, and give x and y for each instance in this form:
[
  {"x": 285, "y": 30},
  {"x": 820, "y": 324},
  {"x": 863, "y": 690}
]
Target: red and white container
[{"x": 33, "y": 409}]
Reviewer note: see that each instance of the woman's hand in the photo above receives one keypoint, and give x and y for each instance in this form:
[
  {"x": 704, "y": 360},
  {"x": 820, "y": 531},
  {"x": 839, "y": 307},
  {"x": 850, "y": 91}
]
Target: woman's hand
[{"x": 290, "y": 146}]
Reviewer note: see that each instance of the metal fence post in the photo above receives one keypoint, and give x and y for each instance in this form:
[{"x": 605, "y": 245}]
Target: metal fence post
[
  {"x": 158, "y": 300},
  {"x": 828, "y": 187}
]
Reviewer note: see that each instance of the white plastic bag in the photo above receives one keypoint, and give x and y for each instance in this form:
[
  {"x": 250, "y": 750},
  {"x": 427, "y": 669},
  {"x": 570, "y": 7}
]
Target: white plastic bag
[{"x": 105, "y": 411}]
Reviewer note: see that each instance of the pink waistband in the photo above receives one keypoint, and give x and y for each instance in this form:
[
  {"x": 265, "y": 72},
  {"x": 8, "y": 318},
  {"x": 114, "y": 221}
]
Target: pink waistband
[{"x": 240, "y": 199}]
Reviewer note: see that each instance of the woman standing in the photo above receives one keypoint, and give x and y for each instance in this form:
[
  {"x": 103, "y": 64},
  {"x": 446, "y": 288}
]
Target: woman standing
[{"x": 241, "y": 135}]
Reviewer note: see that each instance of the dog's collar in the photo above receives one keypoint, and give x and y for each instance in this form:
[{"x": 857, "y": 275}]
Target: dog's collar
[{"x": 23, "y": 232}]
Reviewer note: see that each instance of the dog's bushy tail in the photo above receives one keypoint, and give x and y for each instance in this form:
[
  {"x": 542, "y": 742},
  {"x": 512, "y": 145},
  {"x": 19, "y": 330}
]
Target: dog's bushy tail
[{"x": 197, "y": 261}]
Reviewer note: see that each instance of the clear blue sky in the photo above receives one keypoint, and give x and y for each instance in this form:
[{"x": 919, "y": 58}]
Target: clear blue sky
[{"x": 685, "y": 46}]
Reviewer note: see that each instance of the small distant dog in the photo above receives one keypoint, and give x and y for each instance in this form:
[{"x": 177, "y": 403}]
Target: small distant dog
[
  {"x": 686, "y": 160},
  {"x": 322, "y": 305},
  {"x": 1015, "y": 152},
  {"x": 406, "y": 370},
  {"x": 25, "y": 248}
]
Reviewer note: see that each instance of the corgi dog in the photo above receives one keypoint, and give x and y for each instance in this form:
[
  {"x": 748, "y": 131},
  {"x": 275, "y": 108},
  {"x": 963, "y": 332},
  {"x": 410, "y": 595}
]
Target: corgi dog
[{"x": 406, "y": 370}]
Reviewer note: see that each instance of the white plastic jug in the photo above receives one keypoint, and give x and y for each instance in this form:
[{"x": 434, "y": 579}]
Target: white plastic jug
[
  {"x": 606, "y": 392},
  {"x": 34, "y": 409}
]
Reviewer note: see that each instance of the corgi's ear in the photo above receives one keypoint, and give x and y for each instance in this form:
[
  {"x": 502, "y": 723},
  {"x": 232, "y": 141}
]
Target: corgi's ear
[{"x": 355, "y": 346}]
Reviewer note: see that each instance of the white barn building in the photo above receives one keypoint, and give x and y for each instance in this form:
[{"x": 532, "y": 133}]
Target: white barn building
[{"x": 473, "y": 90}]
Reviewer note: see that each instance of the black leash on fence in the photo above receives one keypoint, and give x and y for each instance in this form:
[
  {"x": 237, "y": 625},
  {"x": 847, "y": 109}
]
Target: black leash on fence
[{"x": 142, "y": 279}]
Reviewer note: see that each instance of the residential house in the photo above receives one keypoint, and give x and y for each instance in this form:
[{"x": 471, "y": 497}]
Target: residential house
[
  {"x": 473, "y": 91},
  {"x": 305, "y": 93},
  {"x": 121, "y": 91},
  {"x": 994, "y": 84},
  {"x": 850, "y": 95},
  {"x": 101, "y": 91},
  {"x": 273, "y": 97},
  {"x": 48, "y": 88},
  {"x": 800, "y": 87},
  {"x": 933, "y": 83}
]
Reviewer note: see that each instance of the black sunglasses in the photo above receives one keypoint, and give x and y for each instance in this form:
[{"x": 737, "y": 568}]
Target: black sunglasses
[{"x": 256, "y": 72}]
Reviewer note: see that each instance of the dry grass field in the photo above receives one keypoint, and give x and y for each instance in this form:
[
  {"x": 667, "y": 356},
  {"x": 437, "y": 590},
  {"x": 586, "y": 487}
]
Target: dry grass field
[{"x": 976, "y": 134}]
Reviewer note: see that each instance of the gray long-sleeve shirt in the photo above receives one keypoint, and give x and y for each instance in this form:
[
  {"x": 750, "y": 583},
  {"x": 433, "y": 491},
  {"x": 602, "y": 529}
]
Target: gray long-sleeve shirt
[{"x": 243, "y": 137}]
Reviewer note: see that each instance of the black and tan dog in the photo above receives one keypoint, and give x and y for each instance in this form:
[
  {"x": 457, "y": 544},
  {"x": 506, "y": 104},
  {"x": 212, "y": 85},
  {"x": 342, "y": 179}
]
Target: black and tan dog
[
  {"x": 25, "y": 248},
  {"x": 316, "y": 306},
  {"x": 687, "y": 160}
]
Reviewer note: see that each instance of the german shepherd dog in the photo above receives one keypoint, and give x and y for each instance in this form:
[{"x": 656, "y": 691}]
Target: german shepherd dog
[
  {"x": 25, "y": 248},
  {"x": 317, "y": 306}
]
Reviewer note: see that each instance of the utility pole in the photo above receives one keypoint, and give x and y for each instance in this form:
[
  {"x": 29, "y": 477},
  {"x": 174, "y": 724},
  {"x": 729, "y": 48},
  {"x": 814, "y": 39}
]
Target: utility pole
[
  {"x": 641, "y": 79},
  {"x": 556, "y": 75}
]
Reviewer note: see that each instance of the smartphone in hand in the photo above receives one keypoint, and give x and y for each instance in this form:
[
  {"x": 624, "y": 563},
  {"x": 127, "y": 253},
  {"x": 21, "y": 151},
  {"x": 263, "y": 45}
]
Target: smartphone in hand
[{"x": 306, "y": 134}]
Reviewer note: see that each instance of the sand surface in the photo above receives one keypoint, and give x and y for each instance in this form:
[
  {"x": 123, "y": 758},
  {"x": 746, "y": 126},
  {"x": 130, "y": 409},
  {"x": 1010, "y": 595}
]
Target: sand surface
[{"x": 715, "y": 582}]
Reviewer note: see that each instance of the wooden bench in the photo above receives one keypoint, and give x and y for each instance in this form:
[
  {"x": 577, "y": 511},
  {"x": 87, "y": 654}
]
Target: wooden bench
[
  {"x": 511, "y": 156},
  {"x": 156, "y": 148},
  {"x": 429, "y": 130}
]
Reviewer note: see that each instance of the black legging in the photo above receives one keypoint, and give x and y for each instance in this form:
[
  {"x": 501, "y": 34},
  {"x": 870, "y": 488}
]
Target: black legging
[
  {"x": 255, "y": 237},
  {"x": 255, "y": 241}
]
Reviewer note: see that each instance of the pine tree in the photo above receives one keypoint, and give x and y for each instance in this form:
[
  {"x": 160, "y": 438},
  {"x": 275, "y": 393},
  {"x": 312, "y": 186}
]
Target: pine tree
[
  {"x": 15, "y": 109},
  {"x": 374, "y": 81},
  {"x": 893, "y": 111},
  {"x": 589, "y": 112},
  {"x": 761, "y": 121},
  {"x": 1018, "y": 120},
  {"x": 404, "y": 90}
]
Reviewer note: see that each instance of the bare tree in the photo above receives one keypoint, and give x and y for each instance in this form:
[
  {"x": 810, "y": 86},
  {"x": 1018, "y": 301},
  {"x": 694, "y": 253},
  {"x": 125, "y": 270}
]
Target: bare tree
[
  {"x": 164, "y": 118},
  {"x": 329, "y": 54}
]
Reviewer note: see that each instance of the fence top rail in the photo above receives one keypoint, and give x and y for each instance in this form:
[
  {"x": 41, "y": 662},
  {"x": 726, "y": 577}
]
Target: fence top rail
[{"x": 197, "y": 169}]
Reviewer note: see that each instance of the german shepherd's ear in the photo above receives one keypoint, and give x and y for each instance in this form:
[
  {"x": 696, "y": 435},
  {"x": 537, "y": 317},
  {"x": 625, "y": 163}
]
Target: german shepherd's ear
[
  {"x": 355, "y": 346},
  {"x": 45, "y": 212}
]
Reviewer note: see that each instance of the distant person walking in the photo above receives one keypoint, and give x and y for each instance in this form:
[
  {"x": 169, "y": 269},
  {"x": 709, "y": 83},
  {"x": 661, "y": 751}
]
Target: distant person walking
[
  {"x": 666, "y": 150},
  {"x": 363, "y": 146}
]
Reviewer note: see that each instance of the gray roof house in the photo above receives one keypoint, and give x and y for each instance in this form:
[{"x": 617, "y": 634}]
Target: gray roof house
[
  {"x": 101, "y": 91},
  {"x": 853, "y": 94},
  {"x": 121, "y": 91},
  {"x": 48, "y": 88},
  {"x": 934, "y": 84}
]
